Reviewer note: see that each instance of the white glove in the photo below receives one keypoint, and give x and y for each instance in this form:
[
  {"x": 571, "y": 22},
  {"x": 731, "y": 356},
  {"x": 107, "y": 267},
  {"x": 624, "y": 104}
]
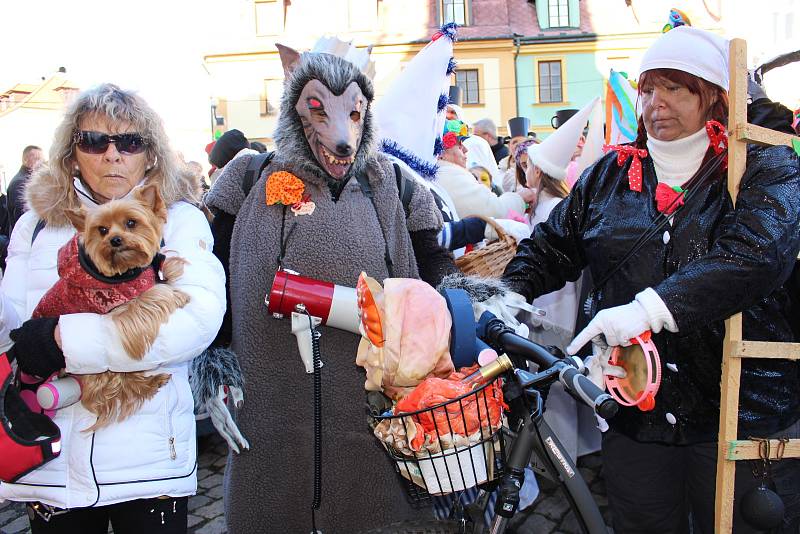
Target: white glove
[
  {"x": 515, "y": 229},
  {"x": 222, "y": 420},
  {"x": 623, "y": 323},
  {"x": 619, "y": 325},
  {"x": 598, "y": 364},
  {"x": 506, "y": 308}
]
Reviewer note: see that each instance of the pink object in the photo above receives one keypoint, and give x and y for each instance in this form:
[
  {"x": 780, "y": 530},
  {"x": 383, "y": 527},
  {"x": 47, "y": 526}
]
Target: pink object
[
  {"x": 514, "y": 216},
  {"x": 572, "y": 173},
  {"x": 29, "y": 395},
  {"x": 59, "y": 393},
  {"x": 643, "y": 368},
  {"x": 487, "y": 356}
]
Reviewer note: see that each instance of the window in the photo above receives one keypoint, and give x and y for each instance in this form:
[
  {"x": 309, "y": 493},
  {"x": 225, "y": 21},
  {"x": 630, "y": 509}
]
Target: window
[
  {"x": 269, "y": 17},
  {"x": 270, "y": 99},
  {"x": 467, "y": 80},
  {"x": 550, "y": 81},
  {"x": 362, "y": 15},
  {"x": 558, "y": 13},
  {"x": 454, "y": 11}
]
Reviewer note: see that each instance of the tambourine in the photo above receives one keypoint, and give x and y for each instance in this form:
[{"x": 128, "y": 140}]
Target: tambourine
[{"x": 643, "y": 373}]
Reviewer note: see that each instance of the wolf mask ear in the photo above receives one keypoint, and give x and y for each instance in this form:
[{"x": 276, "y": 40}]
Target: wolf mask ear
[{"x": 289, "y": 59}]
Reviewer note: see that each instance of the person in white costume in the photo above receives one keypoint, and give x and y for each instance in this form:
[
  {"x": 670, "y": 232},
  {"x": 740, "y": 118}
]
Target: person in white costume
[{"x": 573, "y": 422}]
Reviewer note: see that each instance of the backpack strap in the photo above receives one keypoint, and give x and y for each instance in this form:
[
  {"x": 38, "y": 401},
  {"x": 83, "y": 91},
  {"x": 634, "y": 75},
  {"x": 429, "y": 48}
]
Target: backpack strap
[
  {"x": 254, "y": 168},
  {"x": 405, "y": 189},
  {"x": 366, "y": 189},
  {"x": 40, "y": 224}
]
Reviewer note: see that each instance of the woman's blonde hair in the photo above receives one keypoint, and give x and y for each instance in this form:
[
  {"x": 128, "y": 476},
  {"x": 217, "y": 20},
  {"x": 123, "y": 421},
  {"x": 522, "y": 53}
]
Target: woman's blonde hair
[
  {"x": 118, "y": 105},
  {"x": 557, "y": 188}
]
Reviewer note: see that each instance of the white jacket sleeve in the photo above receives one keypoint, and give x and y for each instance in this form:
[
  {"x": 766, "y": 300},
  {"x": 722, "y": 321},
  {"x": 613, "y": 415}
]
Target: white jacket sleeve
[
  {"x": 90, "y": 341},
  {"x": 13, "y": 290},
  {"x": 472, "y": 198}
]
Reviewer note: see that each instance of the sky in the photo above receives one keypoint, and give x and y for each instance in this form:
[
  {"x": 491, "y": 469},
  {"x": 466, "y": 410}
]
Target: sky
[{"x": 154, "y": 47}]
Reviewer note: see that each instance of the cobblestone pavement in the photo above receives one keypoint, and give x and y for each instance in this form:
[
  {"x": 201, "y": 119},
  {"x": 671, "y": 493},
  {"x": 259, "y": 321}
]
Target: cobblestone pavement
[{"x": 550, "y": 514}]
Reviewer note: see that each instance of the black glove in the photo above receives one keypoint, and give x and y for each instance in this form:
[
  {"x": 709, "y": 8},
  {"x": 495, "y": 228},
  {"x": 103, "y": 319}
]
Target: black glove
[{"x": 35, "y": 347}]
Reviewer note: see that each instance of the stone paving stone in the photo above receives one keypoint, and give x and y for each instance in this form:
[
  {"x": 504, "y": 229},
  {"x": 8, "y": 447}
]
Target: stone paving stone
[
  {"x": 203, "y": 472},
  {"x": 553, "y": 507},
  {"x": 7, "y": 515},
  {"x": 198, "y": 501},
  {"x": 217, "y": 526},
  {"x": 20, "y": 524},
  {"x": 221, "y": 461},
  {"x": 210, "y": 481},
  {"x": 215, "y": 492},
  {"x": 192, "y": 520},
  {"x": 211, "y": 510}
]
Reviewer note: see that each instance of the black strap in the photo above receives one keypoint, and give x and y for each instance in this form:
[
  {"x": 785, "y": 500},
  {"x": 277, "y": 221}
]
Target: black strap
[
  {"x": 366, "y": 188},
  {"x": 706, "y": 170},
  {"x": 405, "y": 189},
  {"x": 254, "y": 168},
  {"x": 40, "y": 224}
]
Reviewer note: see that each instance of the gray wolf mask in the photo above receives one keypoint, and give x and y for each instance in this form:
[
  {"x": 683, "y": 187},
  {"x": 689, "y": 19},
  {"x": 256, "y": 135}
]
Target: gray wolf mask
[{"x": 325, "y": 122}]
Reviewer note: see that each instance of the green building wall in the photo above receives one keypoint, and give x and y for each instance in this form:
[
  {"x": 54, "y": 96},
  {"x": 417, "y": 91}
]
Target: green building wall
[{"x": 581, "y": 82}]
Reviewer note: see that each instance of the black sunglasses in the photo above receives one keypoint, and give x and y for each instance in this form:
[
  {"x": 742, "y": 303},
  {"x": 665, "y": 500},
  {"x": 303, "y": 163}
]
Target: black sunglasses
[{"x": 97, "y": 143}]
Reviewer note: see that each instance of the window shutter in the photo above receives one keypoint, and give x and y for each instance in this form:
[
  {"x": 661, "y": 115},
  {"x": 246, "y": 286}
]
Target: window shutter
[
  {"x": 543, "y": 14},
  {"x": 574, "y": 14}
]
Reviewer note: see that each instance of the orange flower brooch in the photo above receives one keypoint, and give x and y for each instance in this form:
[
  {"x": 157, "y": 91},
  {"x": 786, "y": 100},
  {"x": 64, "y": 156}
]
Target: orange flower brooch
[{"x": 287, "y": 189}]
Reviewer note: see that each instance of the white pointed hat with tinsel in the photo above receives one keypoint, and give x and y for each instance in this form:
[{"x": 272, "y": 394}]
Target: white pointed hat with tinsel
[
  {"x": 554, "y": 153},
  {"x": 411, "y": 114}
]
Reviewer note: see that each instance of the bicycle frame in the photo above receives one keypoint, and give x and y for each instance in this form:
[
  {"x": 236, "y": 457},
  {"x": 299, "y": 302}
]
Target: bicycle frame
[{"x": 535, "y": 437}]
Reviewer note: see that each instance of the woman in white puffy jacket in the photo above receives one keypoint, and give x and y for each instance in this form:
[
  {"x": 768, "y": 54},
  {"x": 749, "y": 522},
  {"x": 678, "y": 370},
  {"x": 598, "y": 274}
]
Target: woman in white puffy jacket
[{"x": 137, "y": 473}]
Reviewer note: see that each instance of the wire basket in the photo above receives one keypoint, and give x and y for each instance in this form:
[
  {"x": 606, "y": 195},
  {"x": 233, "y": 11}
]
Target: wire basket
[
  {"x": 463, "y": 443},
  {"x": 491, "y": 260}
]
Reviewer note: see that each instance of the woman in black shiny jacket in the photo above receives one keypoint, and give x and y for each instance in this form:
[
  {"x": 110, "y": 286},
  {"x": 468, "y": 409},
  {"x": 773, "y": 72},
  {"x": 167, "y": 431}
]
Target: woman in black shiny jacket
[{"x": 712, "y": 261}]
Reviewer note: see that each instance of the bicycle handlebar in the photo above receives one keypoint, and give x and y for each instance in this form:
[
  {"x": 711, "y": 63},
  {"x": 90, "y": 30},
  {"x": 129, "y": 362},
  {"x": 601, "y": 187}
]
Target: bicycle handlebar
[{"x": 495, "y": 332}]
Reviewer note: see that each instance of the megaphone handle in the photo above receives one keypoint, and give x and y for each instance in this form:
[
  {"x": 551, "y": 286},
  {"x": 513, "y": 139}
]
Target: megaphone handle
[{"x": 302, "y": 331}]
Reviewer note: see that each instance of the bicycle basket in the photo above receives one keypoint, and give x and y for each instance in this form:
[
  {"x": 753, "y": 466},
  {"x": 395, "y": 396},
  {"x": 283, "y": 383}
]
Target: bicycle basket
[{"x": 447, "y": 447}]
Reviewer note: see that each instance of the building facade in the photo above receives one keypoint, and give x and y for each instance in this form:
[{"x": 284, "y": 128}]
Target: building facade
[
  {"x": 29, "y": 114},
  {"x": 247, "y": 76},
  {"x": 515, "y": 57},
  {"x": 565, "y": 61}
]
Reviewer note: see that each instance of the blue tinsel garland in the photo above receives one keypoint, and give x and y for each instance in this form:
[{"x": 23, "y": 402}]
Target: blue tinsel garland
[
  {"x": 452, "y": 66},
  {"x": 438, "y": 146},
  {"x": 421, "y": 167},
  {"x": 450, "y": 30},
  {"x": 443, "y": 101}
]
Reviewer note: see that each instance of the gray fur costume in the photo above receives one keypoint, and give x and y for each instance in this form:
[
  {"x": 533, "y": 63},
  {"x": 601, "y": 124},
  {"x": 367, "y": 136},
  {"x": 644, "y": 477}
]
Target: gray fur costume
[{"x": 269, "y": 488}]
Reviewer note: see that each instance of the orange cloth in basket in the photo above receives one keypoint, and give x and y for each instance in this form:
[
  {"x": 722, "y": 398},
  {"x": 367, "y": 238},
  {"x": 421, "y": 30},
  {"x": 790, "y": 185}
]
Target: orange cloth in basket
[{"x": 465, "y": 417}]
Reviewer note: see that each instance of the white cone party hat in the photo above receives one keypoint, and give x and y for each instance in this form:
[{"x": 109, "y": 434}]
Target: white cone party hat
[
  {"x": 593, "y": 147},
  {"x": 554, "y": 153},
  {"x": 410, "y": 115}
]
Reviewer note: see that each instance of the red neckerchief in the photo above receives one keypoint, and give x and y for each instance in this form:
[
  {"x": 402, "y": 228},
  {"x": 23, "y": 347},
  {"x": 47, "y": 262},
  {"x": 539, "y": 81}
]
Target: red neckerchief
[
  {"x": 666, "y": 195},
  {"x": 635, "y": 172}
]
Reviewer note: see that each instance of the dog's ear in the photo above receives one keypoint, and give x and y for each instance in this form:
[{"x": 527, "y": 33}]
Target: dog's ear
[
  {"x": 77, "y": 217},
  {"x": 151, "y": 196}
]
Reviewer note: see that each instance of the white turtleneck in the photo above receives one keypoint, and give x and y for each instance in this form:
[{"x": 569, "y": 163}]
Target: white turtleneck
[{"x": 677, "y": 161}]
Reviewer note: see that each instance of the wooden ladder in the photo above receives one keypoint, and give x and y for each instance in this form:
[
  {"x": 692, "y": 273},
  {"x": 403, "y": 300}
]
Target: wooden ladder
[{"x": 730, "y": 449}]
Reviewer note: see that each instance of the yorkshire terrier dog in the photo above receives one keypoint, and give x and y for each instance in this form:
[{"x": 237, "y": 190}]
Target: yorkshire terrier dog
[{"x": 112, "y": 265}]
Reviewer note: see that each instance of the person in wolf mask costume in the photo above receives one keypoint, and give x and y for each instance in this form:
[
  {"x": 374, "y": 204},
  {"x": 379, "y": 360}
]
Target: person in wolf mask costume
[{"x": 325, "y": 139}]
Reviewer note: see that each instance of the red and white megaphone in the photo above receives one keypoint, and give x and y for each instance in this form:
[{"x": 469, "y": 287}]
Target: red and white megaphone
[{"x": 326, "y": 303}]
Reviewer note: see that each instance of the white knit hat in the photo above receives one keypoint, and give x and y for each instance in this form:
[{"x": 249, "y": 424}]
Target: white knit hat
[
  {"x": 410, "y": 115},
  {"x": 698, "y": 52},
  {"x": 554, "y": 153}
]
